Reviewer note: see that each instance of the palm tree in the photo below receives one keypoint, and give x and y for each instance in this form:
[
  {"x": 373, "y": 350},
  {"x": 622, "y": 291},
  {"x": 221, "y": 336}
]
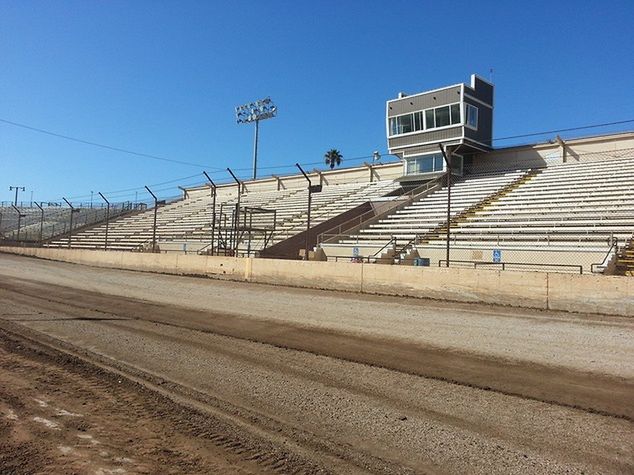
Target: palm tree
[{"x": 333, "y": 158}]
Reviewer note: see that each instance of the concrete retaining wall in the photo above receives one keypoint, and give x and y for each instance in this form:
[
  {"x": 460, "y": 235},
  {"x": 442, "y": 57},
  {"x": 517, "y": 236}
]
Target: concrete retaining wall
[{"x": 574, "y": 293}]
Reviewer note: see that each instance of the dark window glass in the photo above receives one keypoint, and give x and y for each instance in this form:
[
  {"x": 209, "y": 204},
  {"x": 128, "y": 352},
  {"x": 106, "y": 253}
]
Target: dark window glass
[
  {"x": 405, "y": 124},
  {"x": 418, "y": 121},
  {"x": 429, "y": 118},
  {"x": 455, "y": 114},
  {"x": 472, "y": 116},
  {"x": 442, "y": 116},
  {"x": 438, "y": 161},
  {"x": 426, "y": 164}
]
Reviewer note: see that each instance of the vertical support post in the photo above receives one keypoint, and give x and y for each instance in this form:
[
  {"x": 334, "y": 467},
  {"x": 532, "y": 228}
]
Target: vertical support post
[
  {"x": 255, "y": 150},
  {"x": 447, "y": 157},
  {"x": 70, "y": 230},
  {"x": 236, "y": 222},
  {"x": 310, "y": 199},
  {"x": 154, "y": 224},
  {"x": 39, "y": 205},
  {"x": 213, "y": 212},
  {"x": 17, "y": 210},
  {"x": 105, "y": 244}
]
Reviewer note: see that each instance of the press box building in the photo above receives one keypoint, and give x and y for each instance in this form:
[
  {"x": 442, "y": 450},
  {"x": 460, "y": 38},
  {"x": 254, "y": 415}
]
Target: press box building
[{"x": 458, "y": 117}]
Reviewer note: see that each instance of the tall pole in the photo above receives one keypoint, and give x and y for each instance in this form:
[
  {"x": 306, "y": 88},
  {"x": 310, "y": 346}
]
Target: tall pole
[
  {"x": 213, "y": 212},
  {"x": 236, "y": 214},
  {"x": 105, "y": 244},
  {"x": 447, "y": 157},
  {"x": 70, "y": 231},
  {"x": 16, "y": 188},
  {"x": 255, "y": 149},
  {"x": 154, "y": 225},
  {"x": 310, "y": 199},
  {"x": 255, "y": 112},
  {"x": 17, "y": 210},
  {"x": 41, "y": 220}
]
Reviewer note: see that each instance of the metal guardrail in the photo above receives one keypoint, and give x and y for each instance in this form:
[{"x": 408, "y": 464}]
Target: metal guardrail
[{"x": 337, "y": 232}]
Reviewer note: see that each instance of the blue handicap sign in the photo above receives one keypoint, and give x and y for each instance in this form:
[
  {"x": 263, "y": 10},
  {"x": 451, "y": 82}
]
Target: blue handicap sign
[
  {"x": 497, "y": 255},
  {"x": 355, "y": 252}
]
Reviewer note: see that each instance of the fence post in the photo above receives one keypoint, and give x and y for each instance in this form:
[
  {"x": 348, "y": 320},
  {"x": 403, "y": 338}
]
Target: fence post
[{"x": 105, "y": 245}]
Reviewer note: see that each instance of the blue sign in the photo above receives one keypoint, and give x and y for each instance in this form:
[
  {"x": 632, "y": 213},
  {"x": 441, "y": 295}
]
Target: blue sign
[
  {"x": 355, "y": 252},
  {"x": 497, "y": 255}
]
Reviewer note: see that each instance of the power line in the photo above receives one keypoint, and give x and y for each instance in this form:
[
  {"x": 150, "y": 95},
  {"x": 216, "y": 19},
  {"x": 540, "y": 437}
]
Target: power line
[
  {"x": 107, "y": 147},
  {"x": 594, "y": 126}
]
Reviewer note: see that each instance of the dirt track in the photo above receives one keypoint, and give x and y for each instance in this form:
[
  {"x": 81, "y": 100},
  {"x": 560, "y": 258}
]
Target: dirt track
[{"x": 279, "y": 379}]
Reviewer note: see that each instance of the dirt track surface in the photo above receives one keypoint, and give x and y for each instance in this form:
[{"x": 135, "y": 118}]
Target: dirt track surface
[{"x": 239, "y": 378}]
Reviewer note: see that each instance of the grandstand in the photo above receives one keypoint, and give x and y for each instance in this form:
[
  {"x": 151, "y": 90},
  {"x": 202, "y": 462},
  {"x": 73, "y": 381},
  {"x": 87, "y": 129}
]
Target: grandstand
[
  {"x": 188, "y": 223},
  {"x": 48, "y": 220},
  {"x": 550, "y": 206}
]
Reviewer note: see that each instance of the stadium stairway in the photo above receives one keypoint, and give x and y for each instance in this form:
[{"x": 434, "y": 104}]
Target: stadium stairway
[
  {"x": 463, "y": 216},
  {"x": 563, "y": 219},
  {"x": 399, "y": 230},
  {"x": 625, "y": 260}
]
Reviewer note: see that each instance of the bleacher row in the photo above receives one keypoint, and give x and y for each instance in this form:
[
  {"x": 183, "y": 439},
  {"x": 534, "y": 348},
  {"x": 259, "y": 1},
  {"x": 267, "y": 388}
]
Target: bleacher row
[
  {"x": 567, "y": 215},
  {"x": 190, "y": 220},
  {"x": 37, "y": 224},
  {"x": 574, "y": 205},
  {"x": 566, "y": 209}
]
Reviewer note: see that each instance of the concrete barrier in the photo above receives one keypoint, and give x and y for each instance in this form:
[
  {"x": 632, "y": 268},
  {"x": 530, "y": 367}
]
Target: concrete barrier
[
  {"x": 463, "y": 285},
  {"x": 612, "y": 295},
  {"x": 568, "y": 292},
  {"x": 315, "y": 275}
]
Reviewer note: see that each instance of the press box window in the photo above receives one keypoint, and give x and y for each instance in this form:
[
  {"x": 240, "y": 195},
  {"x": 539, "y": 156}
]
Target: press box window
[
  {"x": 472, "y": 116},
  {"x": 425, "y": 164}
]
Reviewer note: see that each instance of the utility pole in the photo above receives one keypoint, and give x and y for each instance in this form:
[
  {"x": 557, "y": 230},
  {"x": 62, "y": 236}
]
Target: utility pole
[{"x": 16, "y": 188}]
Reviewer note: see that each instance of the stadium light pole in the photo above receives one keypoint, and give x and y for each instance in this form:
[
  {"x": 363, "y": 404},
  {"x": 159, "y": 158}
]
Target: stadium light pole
[
  {"x": 311, "y": 189},
  {"x": 70, "y": 230},
  {"x": 41, "y": 220},
  {"x": 255, "y": 112},
  {"x": 105, "y": 244},
  {"x": 213, "y": 207},
  {"x": 16, "y": 188},
  {"x": 156, "y": 205},
  {"x": 447, "y": 157}
]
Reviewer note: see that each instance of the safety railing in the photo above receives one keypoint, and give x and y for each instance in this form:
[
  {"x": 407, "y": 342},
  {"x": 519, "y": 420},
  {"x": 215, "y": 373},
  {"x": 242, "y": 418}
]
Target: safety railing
[
  {"x": 513, "y": 265},
  {"x": 349, "y": 227}
]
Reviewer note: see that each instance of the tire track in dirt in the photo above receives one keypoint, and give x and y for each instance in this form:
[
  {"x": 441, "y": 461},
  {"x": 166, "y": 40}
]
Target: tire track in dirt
[{"x": 592, "y": 392}]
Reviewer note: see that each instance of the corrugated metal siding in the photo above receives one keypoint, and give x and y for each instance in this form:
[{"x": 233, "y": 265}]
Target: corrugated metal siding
[
  {"x": 423, "y": 101},
  {"x": 435, "y": 136}
]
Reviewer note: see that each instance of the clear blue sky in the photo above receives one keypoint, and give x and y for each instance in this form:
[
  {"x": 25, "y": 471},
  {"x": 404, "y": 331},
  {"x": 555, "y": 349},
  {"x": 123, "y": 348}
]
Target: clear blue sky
[{"x": 163, "y": 77}]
